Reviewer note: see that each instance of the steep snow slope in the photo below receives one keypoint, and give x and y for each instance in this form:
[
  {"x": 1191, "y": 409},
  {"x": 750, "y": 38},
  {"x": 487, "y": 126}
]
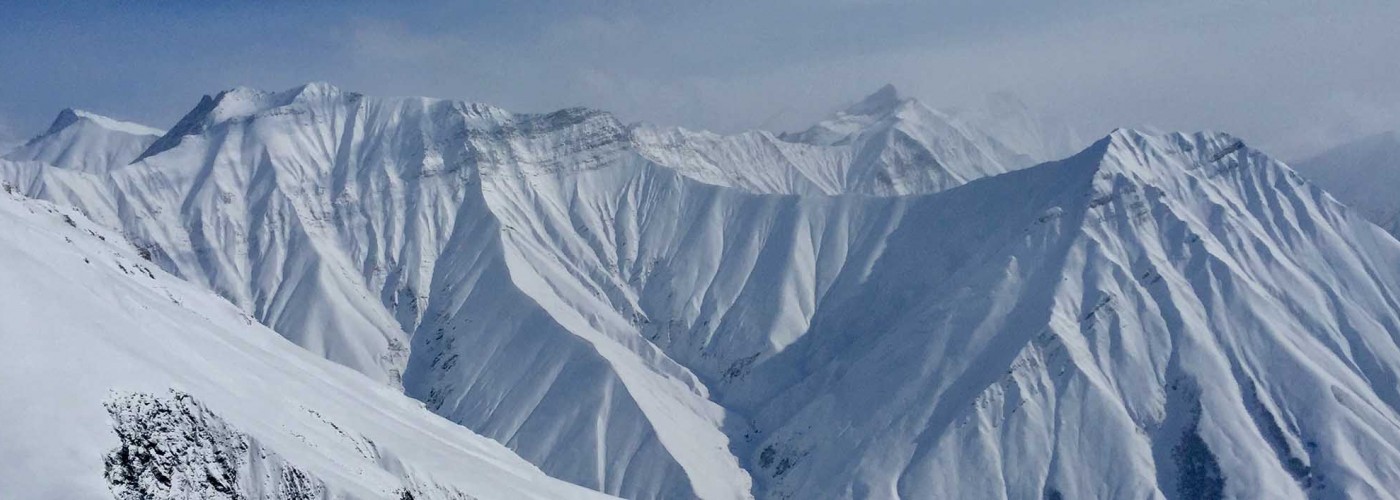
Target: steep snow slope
[
  {"x": 1365, "y": 175},
  {"x": 68, "y": 164},
  {"x": 886, "y": 144},
  {"x": 1159, "y": 315},
  {"x": 325, "y": 215},
  {"x": 86, "y": 142},
  {"x": 1131, "y": 324},
  {"x": 99, "y": 339},
  {"x": 1173, "y": 315}
]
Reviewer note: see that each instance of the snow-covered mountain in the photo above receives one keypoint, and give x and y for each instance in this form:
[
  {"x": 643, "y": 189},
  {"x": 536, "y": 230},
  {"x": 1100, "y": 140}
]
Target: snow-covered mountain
[
  {"x": 124, "y": 380},
  {"x": 87, "y": 142},
  {"x": 325, "y": 215},
  {"x": 1364, "y": 174},
  {"x": 1140, "y": 305},
  {"x": 886, "y": 144},
  {"x": 1008, "y": 119},
  {"x": 653, "y": 314}
]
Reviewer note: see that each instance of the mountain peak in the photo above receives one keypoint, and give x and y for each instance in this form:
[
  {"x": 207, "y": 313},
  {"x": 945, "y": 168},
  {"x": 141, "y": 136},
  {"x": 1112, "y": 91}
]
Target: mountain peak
[
  {"x": 244, "y": 101},
  {"x": 881, "y": 101},
  {"x": 844, "y": 125},
  {"x": 85, "y": 141},
  {"x": 65, "y": 118},
  {"x": 239, "y": 102},
  {"x": 316, "y": 89},
  {"x": 70, "y": 116}
]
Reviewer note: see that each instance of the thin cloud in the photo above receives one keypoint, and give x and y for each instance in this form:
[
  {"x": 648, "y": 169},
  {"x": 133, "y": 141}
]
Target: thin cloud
[{"x": 1292, "y": 76}]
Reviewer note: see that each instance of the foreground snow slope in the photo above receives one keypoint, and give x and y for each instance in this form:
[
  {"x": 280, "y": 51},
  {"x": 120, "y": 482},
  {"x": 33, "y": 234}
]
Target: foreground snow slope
[
  {"x": 1171, "y": 315},
  {"x": 88, "y": 322},
  {"x": 1365, "y": 175}
]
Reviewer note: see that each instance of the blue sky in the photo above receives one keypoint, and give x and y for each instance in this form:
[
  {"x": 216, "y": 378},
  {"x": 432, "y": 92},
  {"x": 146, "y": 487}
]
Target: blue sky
[{"x": 1292, "y": 75}]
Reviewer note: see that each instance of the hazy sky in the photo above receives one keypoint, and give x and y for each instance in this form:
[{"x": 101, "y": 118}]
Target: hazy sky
[{"x": 1290, "y": 75}]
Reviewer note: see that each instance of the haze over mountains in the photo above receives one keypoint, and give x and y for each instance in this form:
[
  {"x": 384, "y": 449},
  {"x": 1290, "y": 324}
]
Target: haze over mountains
[
  {"x": 895, "y": 302},
  {"x": 1364, "y": 174}
]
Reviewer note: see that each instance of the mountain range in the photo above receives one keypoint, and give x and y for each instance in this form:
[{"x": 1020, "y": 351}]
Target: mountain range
[{"x": 897, "y": 302}]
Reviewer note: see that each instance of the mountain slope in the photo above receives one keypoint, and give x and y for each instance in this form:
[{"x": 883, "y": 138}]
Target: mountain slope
[
  {"x": 1154, "y": 329},
  {"x": 200, "y": 401},
  {"x": 1173, "y": 315},
  {"x": 1159, "y": 290},
  {"x": 86, "y": 142},
  {"x": 886, "y": 144},
  {"x": 1014, "y": 124},
  {"x": 1365, "y": 175},
  {"x": 325, "y": 214},
  {"x": 965, "y": 303}
]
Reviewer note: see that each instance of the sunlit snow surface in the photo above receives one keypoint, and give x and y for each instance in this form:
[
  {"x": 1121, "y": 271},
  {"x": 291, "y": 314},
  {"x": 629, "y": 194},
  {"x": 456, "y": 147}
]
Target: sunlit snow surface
[
  {"x": 652, "y": 313},
  {"x": 86, "y": 142},
  {"x": 88, "y": 323}
]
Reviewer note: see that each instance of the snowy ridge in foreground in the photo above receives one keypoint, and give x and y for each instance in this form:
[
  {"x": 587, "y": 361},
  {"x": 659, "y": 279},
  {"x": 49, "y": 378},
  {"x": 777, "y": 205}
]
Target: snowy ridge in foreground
[{"x": 94, "y": 325}]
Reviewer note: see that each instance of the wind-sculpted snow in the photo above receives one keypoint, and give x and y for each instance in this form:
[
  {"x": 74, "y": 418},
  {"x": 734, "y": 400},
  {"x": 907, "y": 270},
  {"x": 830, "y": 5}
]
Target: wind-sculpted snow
[
  {"x": 126, "y": 381},
  {"x": 654, "y": 313}
]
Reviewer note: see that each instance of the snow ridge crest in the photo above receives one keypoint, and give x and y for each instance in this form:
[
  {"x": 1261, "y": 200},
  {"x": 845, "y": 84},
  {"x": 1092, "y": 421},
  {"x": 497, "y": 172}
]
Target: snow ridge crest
[{"x": 71, "y": 116}]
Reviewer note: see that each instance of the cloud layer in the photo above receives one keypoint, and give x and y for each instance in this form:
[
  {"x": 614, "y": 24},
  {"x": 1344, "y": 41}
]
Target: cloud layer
[{"x": 1292, "y": 75}]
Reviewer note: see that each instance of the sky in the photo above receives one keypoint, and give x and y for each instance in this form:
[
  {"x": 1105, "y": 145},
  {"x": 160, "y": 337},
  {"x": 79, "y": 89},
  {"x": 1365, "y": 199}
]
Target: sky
[{"x": 1291, "y": 76}]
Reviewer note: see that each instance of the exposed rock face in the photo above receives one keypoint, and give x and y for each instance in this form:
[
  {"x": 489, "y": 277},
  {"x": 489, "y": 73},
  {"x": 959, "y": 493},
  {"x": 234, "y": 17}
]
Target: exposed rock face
[{"x": 174, "y": 447}]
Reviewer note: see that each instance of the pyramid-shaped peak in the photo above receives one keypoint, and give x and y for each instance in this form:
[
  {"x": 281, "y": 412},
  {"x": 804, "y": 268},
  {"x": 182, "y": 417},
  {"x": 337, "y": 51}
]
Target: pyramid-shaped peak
[
  {"x": 884, "y": 100},
  {"x": 65, "y": 118},
  {"x": 70, "y": 116}
]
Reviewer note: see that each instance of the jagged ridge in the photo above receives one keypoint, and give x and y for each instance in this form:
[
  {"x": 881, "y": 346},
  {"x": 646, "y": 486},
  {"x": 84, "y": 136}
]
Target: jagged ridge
[{"x": 628, "y": 327}]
